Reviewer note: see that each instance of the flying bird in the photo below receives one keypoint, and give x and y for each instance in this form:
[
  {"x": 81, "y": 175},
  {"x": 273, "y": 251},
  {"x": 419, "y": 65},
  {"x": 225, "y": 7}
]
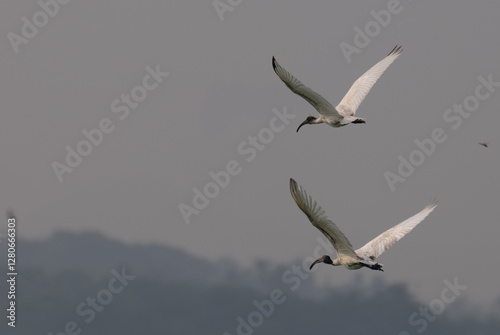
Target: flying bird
[
  {"x": 345, "y": 112},
  {"x": 346, "y": 255},
  {"x": 484, "y": 144}
]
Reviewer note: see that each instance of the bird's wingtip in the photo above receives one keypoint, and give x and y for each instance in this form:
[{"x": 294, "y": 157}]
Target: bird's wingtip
[
  {"x": 397, "y": 50},
  {"x": 433, "y": 204},
  {"x": 294, "y": 187},
  {"x": 274, "y": 63}
]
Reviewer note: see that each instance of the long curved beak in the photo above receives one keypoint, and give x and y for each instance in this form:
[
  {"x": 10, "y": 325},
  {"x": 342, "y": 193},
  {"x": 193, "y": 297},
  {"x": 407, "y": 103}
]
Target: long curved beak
[
  {"x": 303, "y": 123},
  {"x": 314, "y": 263}
]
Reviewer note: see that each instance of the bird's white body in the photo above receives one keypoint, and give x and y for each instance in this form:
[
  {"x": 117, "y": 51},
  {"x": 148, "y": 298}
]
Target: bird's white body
[
  {"x": 334, "y": 121},
  {"x": 346, "y": 255},
  {"x": 345, "y": 111}
]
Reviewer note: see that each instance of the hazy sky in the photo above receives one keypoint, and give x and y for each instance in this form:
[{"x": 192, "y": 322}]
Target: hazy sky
[{"x": 87, "y": 61}]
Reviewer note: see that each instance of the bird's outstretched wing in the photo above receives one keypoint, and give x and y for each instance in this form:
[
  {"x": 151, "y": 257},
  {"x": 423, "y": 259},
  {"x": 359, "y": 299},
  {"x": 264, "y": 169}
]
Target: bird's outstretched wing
[
  {"x": 384, "y": 241},
  {"x": 363, "y": 85},
  {"x": 316, "y": 100},
  {"x": 318, "y": 218}
]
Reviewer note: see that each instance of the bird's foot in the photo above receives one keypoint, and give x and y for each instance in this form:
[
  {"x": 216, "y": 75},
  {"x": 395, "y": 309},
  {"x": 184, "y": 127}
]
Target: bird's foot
[{"x": 359, "y": 121}]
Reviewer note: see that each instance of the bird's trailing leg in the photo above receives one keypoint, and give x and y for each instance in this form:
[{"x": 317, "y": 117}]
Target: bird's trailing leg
[
  {"x": 376, "y": 266},
  {"x": 351, "y": 119},
  {"x": 359, "y": 121}
]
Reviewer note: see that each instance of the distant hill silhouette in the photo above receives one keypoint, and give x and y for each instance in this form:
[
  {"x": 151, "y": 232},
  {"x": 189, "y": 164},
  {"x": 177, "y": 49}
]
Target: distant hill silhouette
[
  {"x": 95, "y": 254},
  {"x": 175, "y": 293}
]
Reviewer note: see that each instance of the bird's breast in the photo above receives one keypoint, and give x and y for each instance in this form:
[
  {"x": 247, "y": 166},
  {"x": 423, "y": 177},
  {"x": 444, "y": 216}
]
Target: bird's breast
[
  {"x": 354, "y": 266},
  {"x": 335, "y": 123}
]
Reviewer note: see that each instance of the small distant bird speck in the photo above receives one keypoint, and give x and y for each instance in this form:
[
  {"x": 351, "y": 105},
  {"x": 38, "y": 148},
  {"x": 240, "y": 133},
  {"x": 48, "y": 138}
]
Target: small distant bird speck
[{"x": 484, "y": 144}]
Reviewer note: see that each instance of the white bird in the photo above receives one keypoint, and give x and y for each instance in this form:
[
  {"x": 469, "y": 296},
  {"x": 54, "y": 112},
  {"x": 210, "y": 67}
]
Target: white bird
[
  {"x": 346, "y": 255},
  {"x": 344, "y": 113}
]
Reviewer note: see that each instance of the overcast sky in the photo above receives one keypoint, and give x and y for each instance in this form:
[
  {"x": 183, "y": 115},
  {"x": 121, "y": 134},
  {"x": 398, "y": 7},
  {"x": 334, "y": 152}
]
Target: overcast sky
[{"x": 203, "y": 83}]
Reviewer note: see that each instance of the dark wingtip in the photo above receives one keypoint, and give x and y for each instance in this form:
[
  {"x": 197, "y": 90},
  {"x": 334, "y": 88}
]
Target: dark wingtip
[
  {"x": 274, "y": 63},
  {"x": 397, "y": 50},
  {"x": 293, "y": 185}
]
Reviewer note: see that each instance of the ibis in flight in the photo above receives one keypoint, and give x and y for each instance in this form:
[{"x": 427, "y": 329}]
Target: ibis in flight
[
  {"x": 345, "y": 112},
  {"x": 346, "y": 255}
]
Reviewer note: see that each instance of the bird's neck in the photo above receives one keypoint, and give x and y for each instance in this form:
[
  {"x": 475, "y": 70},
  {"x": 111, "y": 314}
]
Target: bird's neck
[{"x": 318, "y": 120}]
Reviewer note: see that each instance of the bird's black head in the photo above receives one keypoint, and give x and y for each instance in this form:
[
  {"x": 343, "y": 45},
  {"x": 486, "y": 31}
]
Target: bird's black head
[
  {"x": 309, "y": 120},
  {"x": 323, "y": 259}
]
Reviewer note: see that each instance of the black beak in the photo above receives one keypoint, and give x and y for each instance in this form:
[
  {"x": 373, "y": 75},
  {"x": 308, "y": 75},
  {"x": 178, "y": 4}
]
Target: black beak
[
  {"x": 314, "y": 263},
  {"x": 303, "y": 123}
]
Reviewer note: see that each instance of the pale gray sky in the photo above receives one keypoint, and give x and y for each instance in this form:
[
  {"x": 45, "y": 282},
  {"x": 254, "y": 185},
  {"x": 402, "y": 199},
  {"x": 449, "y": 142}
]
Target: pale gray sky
[{"x": 221, "y": 89}]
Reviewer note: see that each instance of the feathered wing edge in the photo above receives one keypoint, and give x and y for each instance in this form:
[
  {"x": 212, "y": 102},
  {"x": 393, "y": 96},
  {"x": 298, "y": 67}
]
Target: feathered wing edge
[
  {"x": 318, "y": 218},
  {"x": 387, "y": 239},
  {"x": 322, "y": 105},
  {"x": 362, "y": 86}
]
